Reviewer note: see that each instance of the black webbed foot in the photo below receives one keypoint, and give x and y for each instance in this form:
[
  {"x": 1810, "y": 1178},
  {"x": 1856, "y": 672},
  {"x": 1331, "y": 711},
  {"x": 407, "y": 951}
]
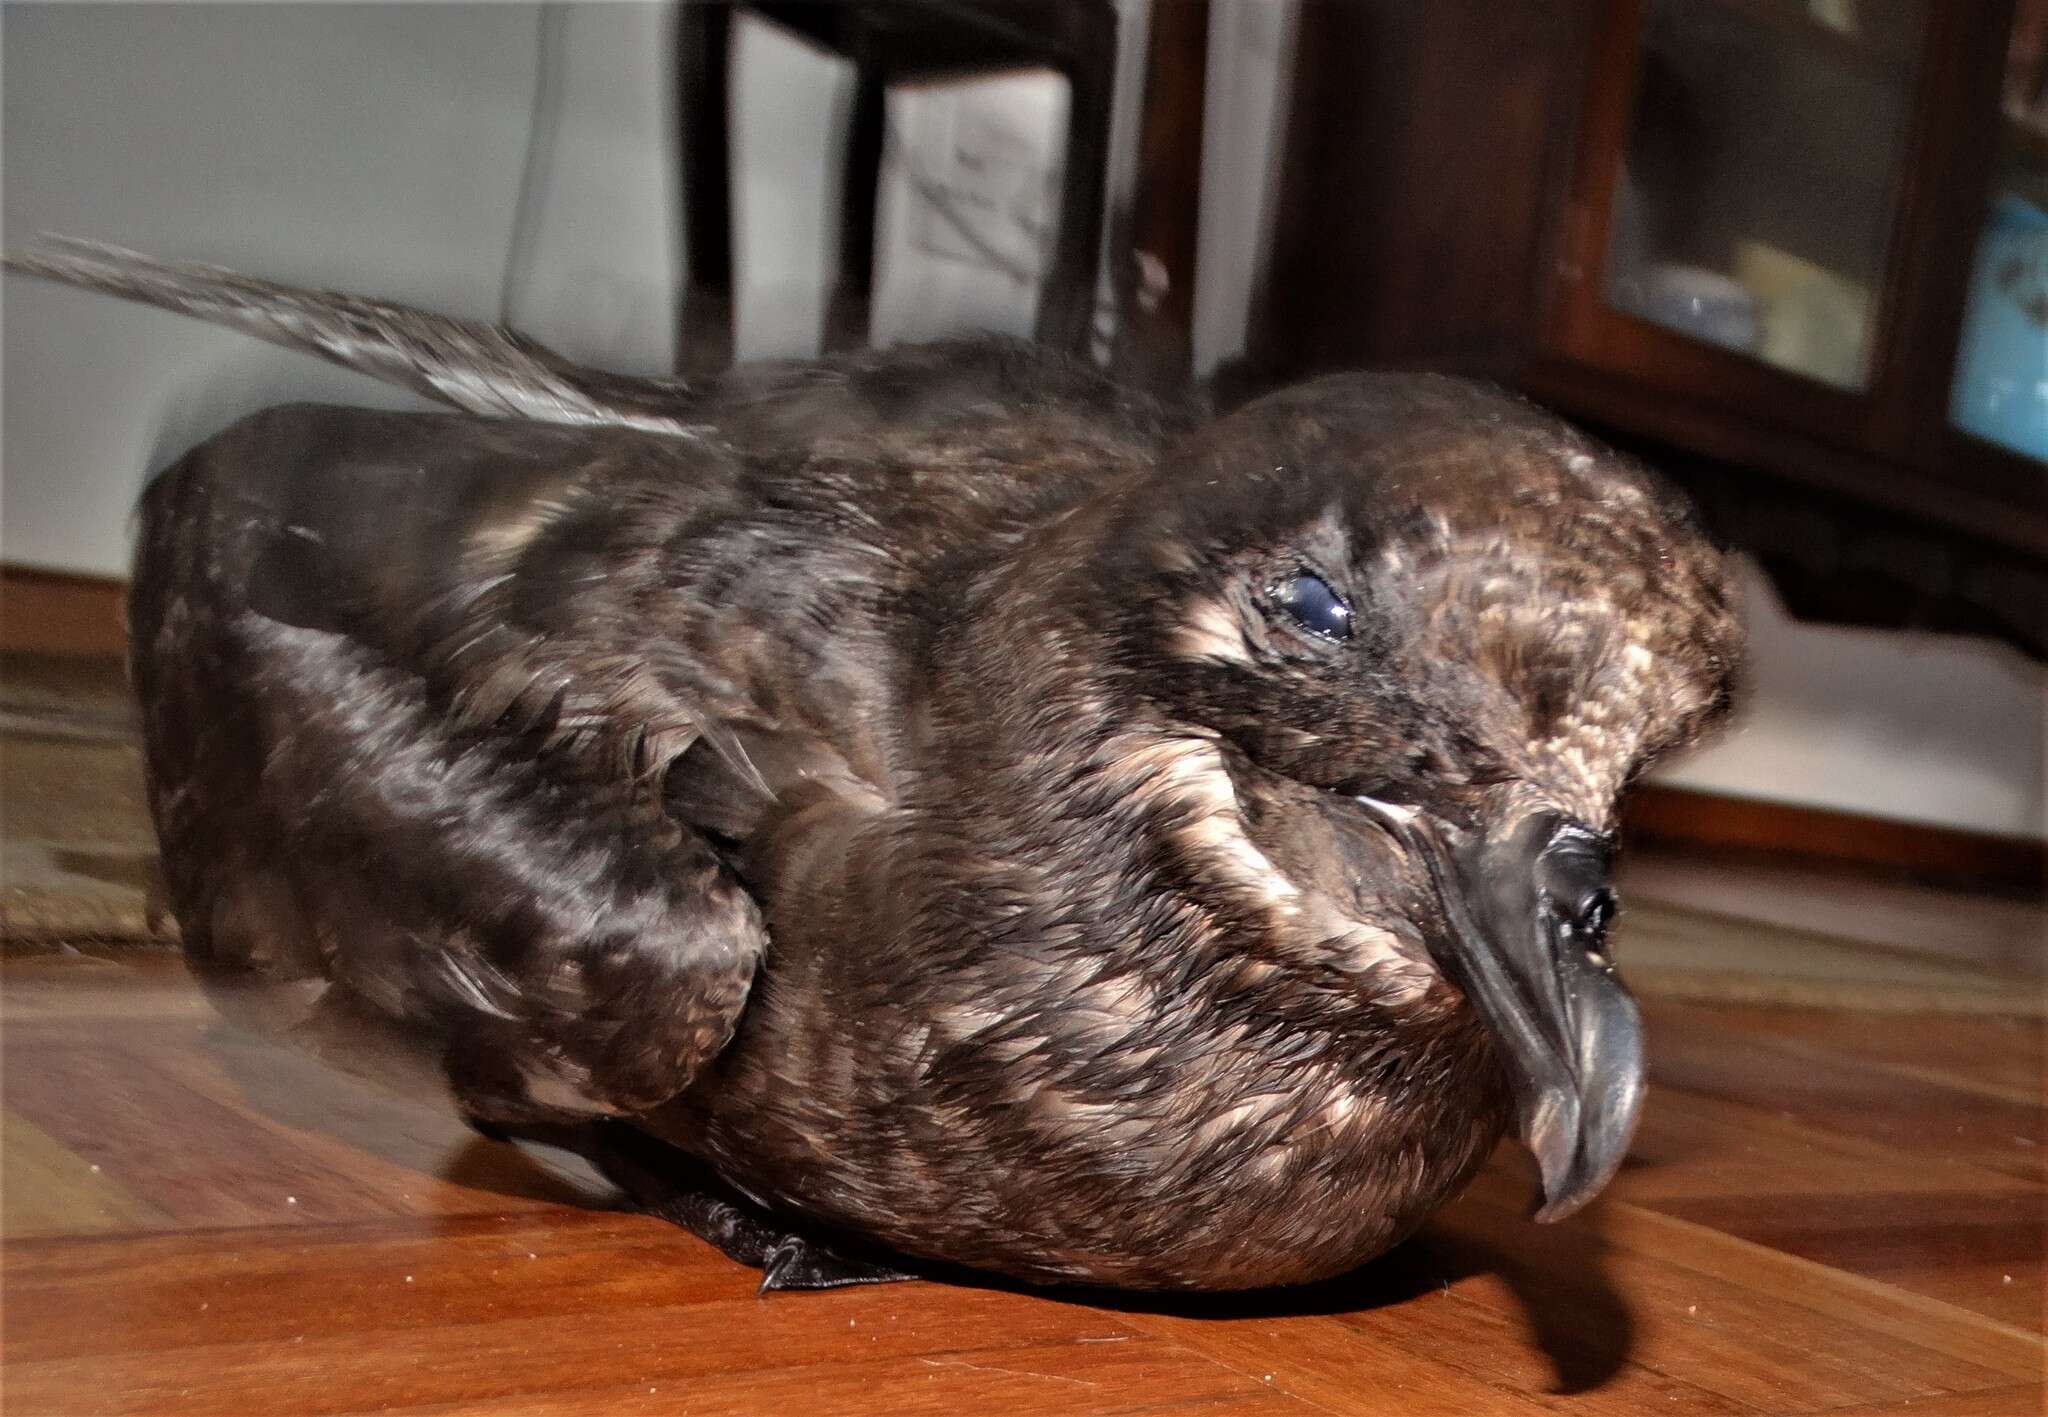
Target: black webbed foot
[
  {"x": 786, "y": 1258},
  {"x": 663, "y": 1182}
]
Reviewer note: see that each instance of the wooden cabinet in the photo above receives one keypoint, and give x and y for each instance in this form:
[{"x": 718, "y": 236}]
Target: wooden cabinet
[{"x": 1742, "y": 236}]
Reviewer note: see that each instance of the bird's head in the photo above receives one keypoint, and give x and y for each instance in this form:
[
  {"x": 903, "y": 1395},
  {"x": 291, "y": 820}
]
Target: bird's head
[{"x": 1464, "y": 627}]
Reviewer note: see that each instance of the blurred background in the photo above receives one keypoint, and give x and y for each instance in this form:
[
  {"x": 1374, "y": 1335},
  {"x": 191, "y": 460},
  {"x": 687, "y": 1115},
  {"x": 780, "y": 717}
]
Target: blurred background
[{"x": 1794, "y": 252}]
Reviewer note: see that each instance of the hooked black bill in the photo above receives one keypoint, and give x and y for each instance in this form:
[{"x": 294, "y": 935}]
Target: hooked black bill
[{"x": 1528, "y": 915}]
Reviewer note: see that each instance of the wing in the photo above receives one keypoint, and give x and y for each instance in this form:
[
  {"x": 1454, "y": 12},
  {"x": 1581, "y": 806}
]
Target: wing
[
  {"x": 470, "y": 365},
  {"x": 408, "y": 710}
]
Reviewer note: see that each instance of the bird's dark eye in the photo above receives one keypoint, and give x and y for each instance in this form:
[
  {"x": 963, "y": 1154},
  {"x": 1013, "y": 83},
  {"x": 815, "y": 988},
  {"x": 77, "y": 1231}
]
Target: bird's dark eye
[
  {"x": 1316, "y": 607},
  {"x": 1596, "y": 912}
]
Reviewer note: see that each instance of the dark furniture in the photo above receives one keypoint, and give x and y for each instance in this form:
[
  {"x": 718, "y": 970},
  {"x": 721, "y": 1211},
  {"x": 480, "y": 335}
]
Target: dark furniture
[
  {"x": 1465, "y": 188},
  {"x": 888, "y": 41}
]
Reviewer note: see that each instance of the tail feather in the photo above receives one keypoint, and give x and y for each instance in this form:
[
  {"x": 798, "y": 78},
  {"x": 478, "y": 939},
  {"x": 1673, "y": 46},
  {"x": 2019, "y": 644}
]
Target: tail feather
[{"x": 479, "y": 368}]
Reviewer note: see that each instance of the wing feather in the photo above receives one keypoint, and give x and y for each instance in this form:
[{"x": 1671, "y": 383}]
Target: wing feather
[
  {"x": 395, "y": 748},
  {"x": 479, "y": 368}
]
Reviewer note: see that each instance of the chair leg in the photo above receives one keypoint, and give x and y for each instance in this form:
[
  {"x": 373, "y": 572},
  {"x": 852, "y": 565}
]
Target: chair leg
[
  {"x": 704, "y": 322},
  {"x": 849, "y": 312},
  {"x": 1066, "y": 306},
  {"x": 1155, "y": 327}
]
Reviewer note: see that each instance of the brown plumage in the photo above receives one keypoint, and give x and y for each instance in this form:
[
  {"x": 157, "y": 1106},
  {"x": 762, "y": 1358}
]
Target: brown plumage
[{"x": 973, "y": 812}]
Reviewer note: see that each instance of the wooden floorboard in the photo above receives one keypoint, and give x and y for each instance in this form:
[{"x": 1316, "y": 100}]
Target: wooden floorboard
[{"x": 1823, "y": 1214}]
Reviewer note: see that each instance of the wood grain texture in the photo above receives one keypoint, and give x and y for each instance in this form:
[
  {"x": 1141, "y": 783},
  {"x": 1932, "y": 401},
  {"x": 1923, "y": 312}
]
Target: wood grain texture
[
  {"x": 1781, "y": 831},
  {"x": 197, "y": 1222},
  {"x": 48, "y": 612}
]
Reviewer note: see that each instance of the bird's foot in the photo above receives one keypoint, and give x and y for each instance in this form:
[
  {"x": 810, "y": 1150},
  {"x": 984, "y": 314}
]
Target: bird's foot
[
  {"x": 786, "y": 1258},
  {"x": 664, "y": 1182}
]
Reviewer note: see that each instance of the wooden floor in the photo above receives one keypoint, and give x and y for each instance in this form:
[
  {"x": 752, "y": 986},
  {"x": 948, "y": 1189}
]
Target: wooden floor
[{"x": 1824, "y": 1212}]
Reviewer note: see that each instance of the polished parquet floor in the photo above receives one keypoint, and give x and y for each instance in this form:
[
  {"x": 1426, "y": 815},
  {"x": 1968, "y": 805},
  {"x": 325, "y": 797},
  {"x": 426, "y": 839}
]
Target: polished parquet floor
[
  {"x": 1824, "y": 1212},
  {"x": 1836, "y": 1203}
]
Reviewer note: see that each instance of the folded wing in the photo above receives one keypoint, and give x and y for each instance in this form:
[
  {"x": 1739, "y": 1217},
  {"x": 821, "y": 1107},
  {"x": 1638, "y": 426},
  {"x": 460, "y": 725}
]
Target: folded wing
[{"x": 408, "y": 710}]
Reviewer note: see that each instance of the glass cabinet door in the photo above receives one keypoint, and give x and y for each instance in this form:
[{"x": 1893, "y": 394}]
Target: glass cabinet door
[
  {"x": 1760, "y": 175},
  {"x": 2000, "y": 392}
]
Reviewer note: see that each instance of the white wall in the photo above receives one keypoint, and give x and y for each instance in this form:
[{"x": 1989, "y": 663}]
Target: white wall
[
  {"x": 790, "y": 108},
  {"x": 380, "y": 148},
  {"x": 212, "y": 133},
  {"x": 1919, "y": 727},
  {"x": 369, "y": 147},
  {"x": 598, "y": 282},
  {"x": 1251, "y": 51}
]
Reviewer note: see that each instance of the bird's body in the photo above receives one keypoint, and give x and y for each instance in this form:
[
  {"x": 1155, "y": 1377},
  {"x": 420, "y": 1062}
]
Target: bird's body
[{"x": 968, "y": 807}]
